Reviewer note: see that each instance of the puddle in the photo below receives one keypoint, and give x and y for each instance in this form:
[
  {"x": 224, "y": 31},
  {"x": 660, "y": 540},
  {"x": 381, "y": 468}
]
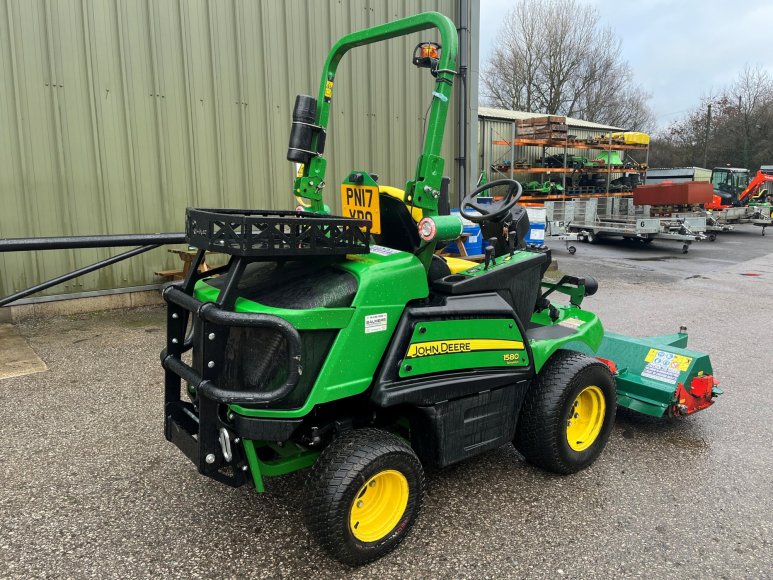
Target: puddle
[{"x": 683, "y": 442}]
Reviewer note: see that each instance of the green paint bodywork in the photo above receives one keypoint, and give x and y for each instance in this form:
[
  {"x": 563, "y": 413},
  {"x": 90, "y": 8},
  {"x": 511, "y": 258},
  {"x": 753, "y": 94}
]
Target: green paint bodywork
[
  {"x": 386, "y": 283},
  {"x": 291, "y": 458},
  {"x": 446, "y": 330},
  {"x": 589, "y": 332}
]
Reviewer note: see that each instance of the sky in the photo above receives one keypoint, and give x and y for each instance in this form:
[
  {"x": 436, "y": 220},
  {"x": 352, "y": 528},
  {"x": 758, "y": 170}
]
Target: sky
[{"x": 679, "y": 50}]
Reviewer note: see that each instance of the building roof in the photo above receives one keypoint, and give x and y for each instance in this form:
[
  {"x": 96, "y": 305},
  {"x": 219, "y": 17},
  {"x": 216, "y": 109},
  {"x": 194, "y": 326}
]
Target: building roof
[{"x": 507, "y": 115}]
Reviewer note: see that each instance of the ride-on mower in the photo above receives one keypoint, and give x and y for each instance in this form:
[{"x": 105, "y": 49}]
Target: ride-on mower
[{"x": 348, "y": 346}]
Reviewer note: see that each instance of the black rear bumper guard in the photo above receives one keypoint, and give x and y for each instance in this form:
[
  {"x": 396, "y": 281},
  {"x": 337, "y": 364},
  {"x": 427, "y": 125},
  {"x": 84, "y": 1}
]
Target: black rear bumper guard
[{"x": 204, "y": 432}]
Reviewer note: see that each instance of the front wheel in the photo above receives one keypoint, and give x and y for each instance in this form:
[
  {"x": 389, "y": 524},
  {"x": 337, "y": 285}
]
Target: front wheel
[
  {"x": 363, "y": 495},
  {"x": 568, "y": 413}
]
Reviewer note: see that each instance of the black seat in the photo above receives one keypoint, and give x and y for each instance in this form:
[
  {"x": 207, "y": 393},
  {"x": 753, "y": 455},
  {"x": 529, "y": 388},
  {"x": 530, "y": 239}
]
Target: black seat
[{"x": 517, "y": 282}]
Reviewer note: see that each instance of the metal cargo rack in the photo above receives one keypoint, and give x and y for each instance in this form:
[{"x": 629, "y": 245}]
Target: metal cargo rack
[
  {"x": 616, "y": 216},
  {"x": 273, "y": 234}
]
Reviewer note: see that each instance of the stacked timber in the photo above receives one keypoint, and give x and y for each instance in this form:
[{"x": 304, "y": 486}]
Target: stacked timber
[{"x": 550, "y": 127}]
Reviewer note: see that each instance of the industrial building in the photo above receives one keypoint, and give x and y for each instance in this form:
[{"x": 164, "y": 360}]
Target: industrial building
[{"x": 118, "y": 115}]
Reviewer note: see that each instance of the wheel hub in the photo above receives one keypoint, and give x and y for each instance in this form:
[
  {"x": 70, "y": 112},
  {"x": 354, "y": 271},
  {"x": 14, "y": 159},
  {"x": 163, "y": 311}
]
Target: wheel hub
[
  {"x": 378, "y": 506},
  {"x": 586, "y": 418}
]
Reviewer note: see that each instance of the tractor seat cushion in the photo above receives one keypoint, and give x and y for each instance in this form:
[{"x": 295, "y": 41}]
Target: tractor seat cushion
[{"x": 457, "y": 265}]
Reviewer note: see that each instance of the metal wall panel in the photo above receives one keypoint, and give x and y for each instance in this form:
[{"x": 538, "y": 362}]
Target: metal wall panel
[{"x": 115, "y": 115}]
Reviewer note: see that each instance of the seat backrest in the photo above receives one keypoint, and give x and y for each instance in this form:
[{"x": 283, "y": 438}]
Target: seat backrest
[{"x": 398, "y": 229}]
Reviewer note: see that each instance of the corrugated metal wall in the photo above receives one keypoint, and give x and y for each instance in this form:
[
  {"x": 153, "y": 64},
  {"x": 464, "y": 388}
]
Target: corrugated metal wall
[{"x": 115, "y": 115}]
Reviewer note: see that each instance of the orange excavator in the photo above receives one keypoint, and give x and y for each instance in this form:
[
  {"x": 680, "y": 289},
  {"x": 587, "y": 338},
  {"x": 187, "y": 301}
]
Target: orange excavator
[{"x": 732, "y": 187}]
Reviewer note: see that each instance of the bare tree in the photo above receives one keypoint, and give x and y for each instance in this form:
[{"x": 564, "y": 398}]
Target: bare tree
[
  {"x": 552, "y": 57},
  {"x": 740, "y": 131}
]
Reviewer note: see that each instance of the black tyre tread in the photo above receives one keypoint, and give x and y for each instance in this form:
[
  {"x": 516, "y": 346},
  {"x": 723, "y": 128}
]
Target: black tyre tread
[
  {"x": 339, "y": 466},
  {"x": 541, "y": 409}
]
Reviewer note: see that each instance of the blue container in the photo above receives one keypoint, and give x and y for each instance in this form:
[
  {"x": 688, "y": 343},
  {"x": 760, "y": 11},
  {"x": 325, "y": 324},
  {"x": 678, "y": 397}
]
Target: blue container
[
  {"x": 536, "y": 235},
  {"x": 474, "y": 243}
]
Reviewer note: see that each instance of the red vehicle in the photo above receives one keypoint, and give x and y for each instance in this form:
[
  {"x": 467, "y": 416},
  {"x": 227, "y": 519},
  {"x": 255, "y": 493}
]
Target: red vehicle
[{"x": 732, "y": 187}]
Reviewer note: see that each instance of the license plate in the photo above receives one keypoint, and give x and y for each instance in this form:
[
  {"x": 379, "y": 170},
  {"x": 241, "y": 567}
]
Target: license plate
[{"x": 361, "y": 202}]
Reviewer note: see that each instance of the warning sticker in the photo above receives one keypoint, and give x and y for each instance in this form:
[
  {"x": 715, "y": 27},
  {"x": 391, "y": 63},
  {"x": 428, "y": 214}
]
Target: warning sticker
[
  {"x": 383, "y": 251},
  {"x": 571, "y": 323},
  {"x": 665, "y": 366},
  {"x": 375, "y": 323}
]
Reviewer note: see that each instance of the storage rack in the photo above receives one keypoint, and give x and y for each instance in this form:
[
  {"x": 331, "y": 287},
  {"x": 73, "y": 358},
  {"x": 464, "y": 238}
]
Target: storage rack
[{"x": 565, "y": 145}]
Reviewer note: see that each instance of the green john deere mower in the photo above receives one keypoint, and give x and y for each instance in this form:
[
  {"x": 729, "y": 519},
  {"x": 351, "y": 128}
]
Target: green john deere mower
[{"x": 347, "y": 346}]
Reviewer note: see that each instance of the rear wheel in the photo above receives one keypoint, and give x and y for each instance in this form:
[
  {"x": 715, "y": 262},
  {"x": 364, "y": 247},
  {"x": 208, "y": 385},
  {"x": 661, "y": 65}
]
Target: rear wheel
[
  {"x": 363, "y": 495},
  {"x": 568, "y": 413}
]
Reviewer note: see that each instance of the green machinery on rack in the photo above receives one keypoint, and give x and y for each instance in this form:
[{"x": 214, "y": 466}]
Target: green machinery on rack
[{"x": 347, "y": 346}]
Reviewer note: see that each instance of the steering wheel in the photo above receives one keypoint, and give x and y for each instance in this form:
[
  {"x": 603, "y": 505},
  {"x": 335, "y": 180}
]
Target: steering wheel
[{"x": 496, "y": 209}]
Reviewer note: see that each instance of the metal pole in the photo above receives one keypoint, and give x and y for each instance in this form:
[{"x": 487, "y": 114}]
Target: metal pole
[
  {"x": 74, "y": 242},
  {"x": 490, "y": 160},
  {"x": 512, "y": 147},
  {"x": 609, "y": 157},
  {"x": 566, "y": 146},
  {"x": 76, "y": 273},
  {"x": 708, "y": 129},
  {"x": 463, "y": 104}
]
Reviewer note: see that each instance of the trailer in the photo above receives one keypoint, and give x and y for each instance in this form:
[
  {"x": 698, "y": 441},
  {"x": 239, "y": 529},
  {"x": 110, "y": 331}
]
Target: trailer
[
  {"x": 718, "y": 219},
  {"x": 763, "y": 217},
  {"x": 592, "y": 219}
]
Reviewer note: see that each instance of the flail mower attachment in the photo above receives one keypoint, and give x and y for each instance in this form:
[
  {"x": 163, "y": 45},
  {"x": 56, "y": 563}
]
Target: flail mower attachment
[{"x": 658, "y": 375}]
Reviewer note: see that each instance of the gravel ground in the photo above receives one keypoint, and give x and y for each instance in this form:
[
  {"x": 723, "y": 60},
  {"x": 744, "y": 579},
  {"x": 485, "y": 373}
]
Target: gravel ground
[{"x": 90, "y": 488}]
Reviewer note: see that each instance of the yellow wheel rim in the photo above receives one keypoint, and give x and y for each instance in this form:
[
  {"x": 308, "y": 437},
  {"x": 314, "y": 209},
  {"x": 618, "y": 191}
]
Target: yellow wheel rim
[
  {"x": 586, "y": 418},
  {"x": 378, "y": 506}
]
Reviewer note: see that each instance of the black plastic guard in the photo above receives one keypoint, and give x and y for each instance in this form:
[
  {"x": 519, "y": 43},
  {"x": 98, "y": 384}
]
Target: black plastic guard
[{"x": 468, "y": 426}]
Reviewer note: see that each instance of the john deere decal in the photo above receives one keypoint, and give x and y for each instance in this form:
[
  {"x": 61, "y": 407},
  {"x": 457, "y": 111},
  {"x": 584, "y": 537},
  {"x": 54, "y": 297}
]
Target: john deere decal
[{"x": 438, "y": 347}]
